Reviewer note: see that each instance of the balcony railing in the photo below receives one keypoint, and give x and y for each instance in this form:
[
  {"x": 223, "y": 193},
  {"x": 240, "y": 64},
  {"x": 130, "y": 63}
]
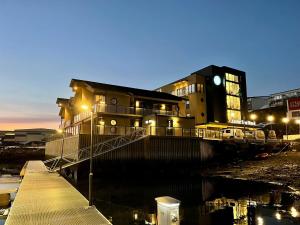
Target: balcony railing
[
  {"x": 159, "y": 131},
  {"x": 131, "y": 110},
  {"x": 81, "y": 116}
]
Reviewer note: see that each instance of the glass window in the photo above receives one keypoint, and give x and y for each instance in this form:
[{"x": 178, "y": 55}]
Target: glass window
[
  {"x": 233, "y": 115},
  {"x": 233, "y": 102},
  {"x": 192, "y": 88},
  {"x": 231, "y": 77},
  {"x": 232, "y": 88},
  {"x": 187, "y": 104}
]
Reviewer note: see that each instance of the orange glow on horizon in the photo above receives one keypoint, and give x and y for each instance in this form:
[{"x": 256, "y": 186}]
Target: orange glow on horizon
[{"x": 14, "y": 126}]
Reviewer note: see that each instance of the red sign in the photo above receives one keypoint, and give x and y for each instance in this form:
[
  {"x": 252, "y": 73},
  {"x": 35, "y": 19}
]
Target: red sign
[{"x": 294, "y": 104}]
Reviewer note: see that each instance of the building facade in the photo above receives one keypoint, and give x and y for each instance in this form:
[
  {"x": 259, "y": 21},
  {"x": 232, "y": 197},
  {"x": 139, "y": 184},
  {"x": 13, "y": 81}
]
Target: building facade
[
  {"x": 215, "y": 95},
  {"x": 257, "y": 102},
  {"x": 211, "y": 97},
  {"x": 117, "y": 110}
]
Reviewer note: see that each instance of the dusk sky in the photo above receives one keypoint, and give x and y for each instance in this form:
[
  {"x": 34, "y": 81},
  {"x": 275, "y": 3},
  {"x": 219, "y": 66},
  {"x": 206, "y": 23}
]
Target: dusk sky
[{"x": 144, "y": 44}]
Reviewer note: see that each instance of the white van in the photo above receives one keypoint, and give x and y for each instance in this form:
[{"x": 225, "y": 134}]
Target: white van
[{"x": 232, "y": 133}]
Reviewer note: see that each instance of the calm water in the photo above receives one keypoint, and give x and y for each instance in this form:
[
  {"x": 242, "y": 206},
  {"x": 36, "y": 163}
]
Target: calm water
[{"x": 203, "y": 201}]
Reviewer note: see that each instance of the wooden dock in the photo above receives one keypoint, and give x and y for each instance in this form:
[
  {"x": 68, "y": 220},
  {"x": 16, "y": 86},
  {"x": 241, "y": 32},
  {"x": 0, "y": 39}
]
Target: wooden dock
[{"x": 46, "y": 199}]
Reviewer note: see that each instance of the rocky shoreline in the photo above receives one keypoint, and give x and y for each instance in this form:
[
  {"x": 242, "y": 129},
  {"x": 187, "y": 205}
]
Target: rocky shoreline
[{"x": 280, "y": 169}]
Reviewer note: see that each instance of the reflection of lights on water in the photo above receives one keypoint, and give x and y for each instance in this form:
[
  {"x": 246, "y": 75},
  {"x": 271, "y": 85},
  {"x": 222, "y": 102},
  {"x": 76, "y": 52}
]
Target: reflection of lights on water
[
  {"x": 278, "y": 216},
  {"x": 260, "y": 220},
  {"x": 294, "y": 212}
]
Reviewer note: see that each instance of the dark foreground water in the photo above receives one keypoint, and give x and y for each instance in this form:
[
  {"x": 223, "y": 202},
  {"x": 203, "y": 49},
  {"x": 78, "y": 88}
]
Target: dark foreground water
[{"x": 204, "y": 201}]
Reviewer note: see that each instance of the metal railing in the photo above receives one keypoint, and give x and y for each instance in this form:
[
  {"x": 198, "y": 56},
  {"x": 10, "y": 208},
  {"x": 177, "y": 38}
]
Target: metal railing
[
  {"x": 83, "y": 154},
  {"x": 131, "y": 110},
  {"x": 184, "y": 132}
]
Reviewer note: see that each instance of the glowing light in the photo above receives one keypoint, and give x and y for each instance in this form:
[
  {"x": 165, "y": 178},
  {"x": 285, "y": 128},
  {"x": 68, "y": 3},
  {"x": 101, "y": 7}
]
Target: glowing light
[
  {"x": 270, "y": 118},
  {"x": 137, "y": 104},
  {"x": 60, "y": 131},
  {"x": 253, "y": 116},
  {"x": 163, "y": 107},
  {"x": 260, "y": 220},
  {"x": 294, "y": 212},
  {"x": 278, "y": 216},
  {"x": 297, "y": 122},
  {"x": 217, "y": 80},
  {"x": 285, "y": 120},
  {"x": 135, "y": 216},
  {"x": 85, "y": 107},
  {"x": 75, "y": 88}
]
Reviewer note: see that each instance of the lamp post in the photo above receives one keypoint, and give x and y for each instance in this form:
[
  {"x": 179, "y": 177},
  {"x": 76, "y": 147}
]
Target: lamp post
[
  {"x": 270, "y": 119},
  {"x": 286, "y": 121},
  {"x": 298, "y": 122},
  {"x": 61, "y": 131},
  {"x": 86, "y": 108}
]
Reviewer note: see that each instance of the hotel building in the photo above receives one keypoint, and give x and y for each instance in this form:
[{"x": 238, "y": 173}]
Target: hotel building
[{"x": 213, "y": 97}]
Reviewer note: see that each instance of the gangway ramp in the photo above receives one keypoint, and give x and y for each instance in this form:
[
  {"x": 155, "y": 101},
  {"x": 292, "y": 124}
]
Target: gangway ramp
[{"x": 47, "y": 198}]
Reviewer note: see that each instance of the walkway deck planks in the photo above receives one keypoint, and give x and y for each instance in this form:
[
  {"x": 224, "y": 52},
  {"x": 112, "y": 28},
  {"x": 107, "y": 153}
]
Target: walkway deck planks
[{"x": 48, "y": 199}]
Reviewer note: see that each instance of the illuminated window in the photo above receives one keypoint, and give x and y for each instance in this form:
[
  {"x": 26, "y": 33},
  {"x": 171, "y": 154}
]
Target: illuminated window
[
  {"x": 232, "y": 88},
  {"x": 231, "y": 77},
  {"x": 233, "y": 102},
  {"x": 233, "y": 115},
  {"x": 200, "y": 88},
  {"x": 100, "y": 99}
]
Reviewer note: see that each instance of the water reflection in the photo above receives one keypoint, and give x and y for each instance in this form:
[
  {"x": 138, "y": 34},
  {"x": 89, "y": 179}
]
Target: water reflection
[{"x": 203, "y": 201}]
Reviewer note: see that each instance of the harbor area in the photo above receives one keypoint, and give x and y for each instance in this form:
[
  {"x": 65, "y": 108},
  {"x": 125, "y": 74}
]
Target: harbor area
[{"x": 47, "y": 198}]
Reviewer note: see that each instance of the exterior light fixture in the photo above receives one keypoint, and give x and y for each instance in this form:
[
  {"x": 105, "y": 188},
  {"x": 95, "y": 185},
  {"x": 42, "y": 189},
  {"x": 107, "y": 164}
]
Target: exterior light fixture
[
  {"x": 60, "y": 131},
  {"x": 260, "y": 220},
  {"x": 253, "y": 116},
  {"x": 85, "y": 107},
  {"x": 285, "y": 120},
  {"x": 270, "y": 118},
  {"x": 294, "y": 212},
  {"x": 278, "y": 216},
  {"x": 217, "y": 80}
]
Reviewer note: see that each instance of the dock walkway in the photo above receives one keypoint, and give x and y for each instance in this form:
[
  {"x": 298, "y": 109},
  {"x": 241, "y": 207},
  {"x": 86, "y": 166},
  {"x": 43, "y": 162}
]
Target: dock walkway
[{"x": 48, "y": 199}]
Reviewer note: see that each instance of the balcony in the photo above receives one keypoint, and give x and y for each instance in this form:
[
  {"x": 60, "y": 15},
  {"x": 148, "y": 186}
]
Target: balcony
[{"x": 119, "y": 109}]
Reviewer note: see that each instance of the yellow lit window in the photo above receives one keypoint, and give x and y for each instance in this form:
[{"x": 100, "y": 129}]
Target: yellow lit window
[
  {"x": 233, "y": 115},
  {"x": 231, "y": 77},
  {"x": 232, "y": 88},
  {"x": 233, "y": 102}
]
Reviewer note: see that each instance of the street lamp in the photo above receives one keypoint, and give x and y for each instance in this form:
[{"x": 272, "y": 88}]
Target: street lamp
[
  {"x": 86, "y": 108},
  {"x": 286, "y": 121},
  {"x": 270, "y": 119},
  {"x": 62, "y": 132},
  {"x": 298, "y": 122}
]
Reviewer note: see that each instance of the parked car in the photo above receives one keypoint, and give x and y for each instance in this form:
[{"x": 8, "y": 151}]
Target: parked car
[{"x": 232, "y": 133}]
